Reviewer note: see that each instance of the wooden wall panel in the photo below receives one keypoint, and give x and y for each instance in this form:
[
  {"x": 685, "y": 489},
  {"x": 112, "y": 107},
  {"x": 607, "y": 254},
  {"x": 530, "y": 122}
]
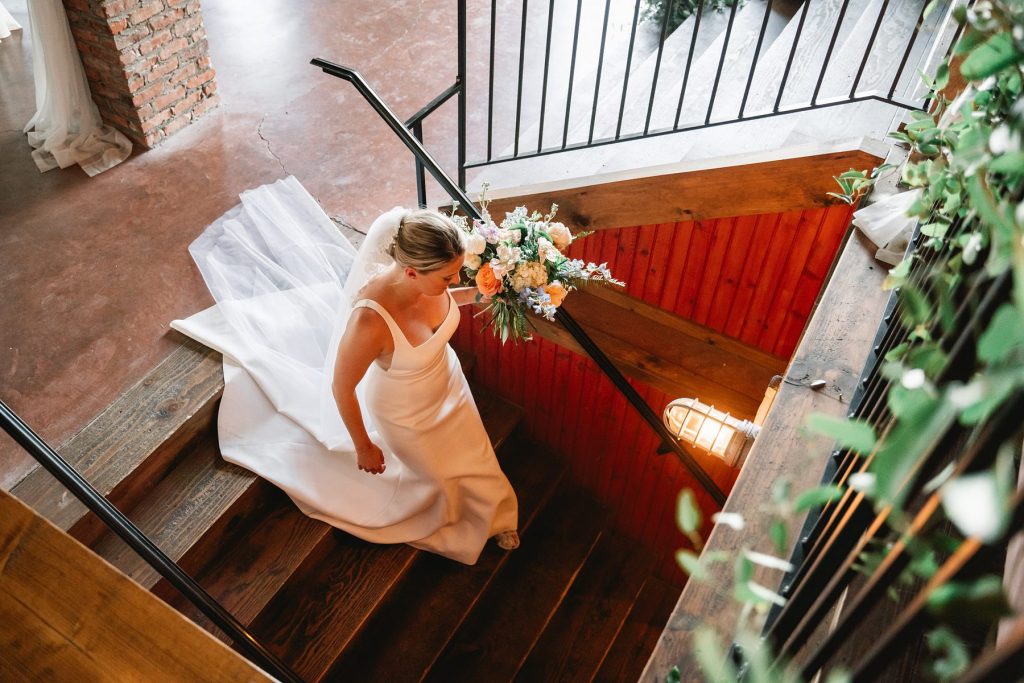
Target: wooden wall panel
[{"x": 754, "y": 278}]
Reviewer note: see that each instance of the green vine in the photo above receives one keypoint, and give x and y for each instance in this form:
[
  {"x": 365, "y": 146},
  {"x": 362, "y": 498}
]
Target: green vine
[{"x": 967, "y": 160}]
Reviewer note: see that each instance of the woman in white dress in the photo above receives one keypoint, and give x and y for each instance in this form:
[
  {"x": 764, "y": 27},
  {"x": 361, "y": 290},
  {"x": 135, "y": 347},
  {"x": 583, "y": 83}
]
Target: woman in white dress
[{"x": 340, "y": 385}]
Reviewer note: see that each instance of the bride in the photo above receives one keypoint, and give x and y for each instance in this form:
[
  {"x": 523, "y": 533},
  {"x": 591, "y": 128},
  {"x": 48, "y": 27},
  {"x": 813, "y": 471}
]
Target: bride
[{"x": 340, "y": 385}]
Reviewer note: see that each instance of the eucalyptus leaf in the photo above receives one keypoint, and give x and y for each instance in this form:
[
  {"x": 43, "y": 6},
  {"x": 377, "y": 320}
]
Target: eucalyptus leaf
[
  {"x": 981, "y": 601},
  {"x": 916, "y": 432},
  {"x": 778, "y": 534},
  {"x": 819, "y": 495},
  {"x": 951, "y": 657},
  {"x": 673, "y": 675},
  {"x": 688, "y": 514},
  {"x": 1004, "y": 334},
  {"x": 848, "y": 433},
  {"x": 992, "y": 56},
  {"x": 712, "y": 657}
]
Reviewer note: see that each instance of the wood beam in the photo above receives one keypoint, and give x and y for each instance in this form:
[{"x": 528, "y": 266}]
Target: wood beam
[
  {"x": 756, "y": 188},
  {"x": 677, "y": 356},
  {"x": 68, "y": 615}
]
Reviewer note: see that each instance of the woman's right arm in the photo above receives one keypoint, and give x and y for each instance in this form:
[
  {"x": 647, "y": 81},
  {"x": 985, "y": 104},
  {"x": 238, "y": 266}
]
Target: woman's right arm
[{"x": 362, "y": 342}]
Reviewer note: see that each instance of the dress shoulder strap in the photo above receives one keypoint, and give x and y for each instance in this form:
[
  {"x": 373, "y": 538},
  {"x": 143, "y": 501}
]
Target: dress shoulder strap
[{"x": 396, "y": 331}]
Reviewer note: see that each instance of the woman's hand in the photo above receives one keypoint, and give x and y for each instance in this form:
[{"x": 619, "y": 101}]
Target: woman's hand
[{"x": 371, "y": 459}]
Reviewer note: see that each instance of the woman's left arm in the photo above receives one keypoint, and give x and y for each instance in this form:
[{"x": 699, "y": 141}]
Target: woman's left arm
[{"x": 465, "y": 295}]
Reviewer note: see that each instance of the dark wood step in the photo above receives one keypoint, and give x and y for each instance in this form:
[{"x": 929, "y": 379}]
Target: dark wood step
[
  {"x": 628, "y": 655},
  {"x": 577, "y": 638},
  {"x": 425, "y": 608},
  {"x": 255, "y": 560},
  {"x": 188, "y": 513},
  {"x": 313, "y": 617},
  {"x": 500, "y": 416},
  {"x": 132, "y": 443},
  {"x": 499, "y": 632}
]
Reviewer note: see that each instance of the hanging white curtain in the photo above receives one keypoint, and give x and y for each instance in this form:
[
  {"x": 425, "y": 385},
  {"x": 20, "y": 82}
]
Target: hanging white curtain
[
  {"x": 7, "y": 23},
  {"x": 66, "y": 128}
]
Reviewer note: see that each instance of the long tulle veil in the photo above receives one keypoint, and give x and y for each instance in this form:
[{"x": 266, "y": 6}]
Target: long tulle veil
[{"x": 284, "y": 279}]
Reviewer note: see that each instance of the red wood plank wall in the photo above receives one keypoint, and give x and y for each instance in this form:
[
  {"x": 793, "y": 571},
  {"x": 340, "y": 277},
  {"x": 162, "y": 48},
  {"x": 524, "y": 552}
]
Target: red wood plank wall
[{"x": 752, "y": 277}]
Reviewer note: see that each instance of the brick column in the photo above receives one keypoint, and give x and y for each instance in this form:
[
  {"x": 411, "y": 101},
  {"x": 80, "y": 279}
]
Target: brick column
[{"x": 147, "y": 63}]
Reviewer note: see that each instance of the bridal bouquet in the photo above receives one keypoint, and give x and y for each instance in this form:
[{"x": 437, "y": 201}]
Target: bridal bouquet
[{"x": 519, "y": 266}]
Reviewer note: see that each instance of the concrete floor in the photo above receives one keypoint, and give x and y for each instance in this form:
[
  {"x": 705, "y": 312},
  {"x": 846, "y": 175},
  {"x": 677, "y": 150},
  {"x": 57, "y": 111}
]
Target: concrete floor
[{"x": 92, "y": 270}]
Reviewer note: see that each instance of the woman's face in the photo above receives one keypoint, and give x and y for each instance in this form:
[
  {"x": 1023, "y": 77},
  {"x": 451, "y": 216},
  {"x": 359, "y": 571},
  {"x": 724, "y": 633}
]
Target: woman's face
[{"x": 437, "y": 281}]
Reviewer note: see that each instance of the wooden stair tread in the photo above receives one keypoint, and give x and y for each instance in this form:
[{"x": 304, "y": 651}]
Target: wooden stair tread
[
  {"x": 134, "y": 440},
  {"x": 576, "y": 639},
  {"x": 628, "y": 655},
  {"x": 426, "y": 607},
  {"x": 312, "y": 618},
  {"x": 202, "y": 493},
  {"x": 256, "y": 561},
  {"x": 498, "y": 633},
  {"x": 499, "y": 415}
]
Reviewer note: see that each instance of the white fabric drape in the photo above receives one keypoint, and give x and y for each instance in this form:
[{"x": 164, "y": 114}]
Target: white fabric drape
[
  {"x": 67, "y": 128},
  {"x": 7, "y": 23}
]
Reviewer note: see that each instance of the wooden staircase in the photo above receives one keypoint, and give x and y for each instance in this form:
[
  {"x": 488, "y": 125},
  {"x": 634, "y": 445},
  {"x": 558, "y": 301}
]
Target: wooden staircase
[{"x": 574, "y": 602}]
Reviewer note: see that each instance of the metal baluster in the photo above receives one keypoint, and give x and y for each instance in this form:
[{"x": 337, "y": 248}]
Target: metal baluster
[
  {"x": 792, "y": 54},
  {"x": 544, "y": 82},
  {"x": 689, "y": 63},
  {"x": 461, "y": 78},
  {"x": 657, "y": 67},
  {"x": 519, "y": 87},
  {"x": 721, "y": 62},
  {"x": 828, "y": 53},
  {"x": 490, "y": 83},
  {"x": 421, "y": 180},
  {"x": 753, "y": 62},
  {"x": 629, "y": 62},
  {"x": 906, "y": 53},
  {"x": 867, "y": 51},
  {"x": 600, "y": 65},
  {"x": 572, "y": 72}
]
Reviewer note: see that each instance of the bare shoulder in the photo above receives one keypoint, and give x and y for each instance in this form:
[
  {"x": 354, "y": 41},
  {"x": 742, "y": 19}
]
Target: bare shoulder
[{"x": 367, "y": 323}]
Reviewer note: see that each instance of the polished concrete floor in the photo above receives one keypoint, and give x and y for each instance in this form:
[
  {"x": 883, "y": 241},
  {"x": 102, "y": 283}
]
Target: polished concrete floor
[{"x": 93, "y": 269}]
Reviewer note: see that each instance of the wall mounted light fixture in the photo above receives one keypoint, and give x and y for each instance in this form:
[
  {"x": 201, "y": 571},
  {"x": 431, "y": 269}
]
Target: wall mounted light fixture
[{"x": 718, "y": 433}]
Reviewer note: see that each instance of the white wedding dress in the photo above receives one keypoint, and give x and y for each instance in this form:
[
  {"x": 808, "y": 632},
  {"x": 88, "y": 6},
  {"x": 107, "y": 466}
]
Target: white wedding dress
[{"x": 284, "y": 279}]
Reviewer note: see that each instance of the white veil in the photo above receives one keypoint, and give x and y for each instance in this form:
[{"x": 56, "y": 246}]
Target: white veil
[{"x": 284, "y": 279}]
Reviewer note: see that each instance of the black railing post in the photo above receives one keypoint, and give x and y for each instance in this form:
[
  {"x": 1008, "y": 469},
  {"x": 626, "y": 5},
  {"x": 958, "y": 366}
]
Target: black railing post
[
  {"x": 461, "y": 79},
  {"x": 421, "y": 180},
  {"x": 81, "y": 489}
]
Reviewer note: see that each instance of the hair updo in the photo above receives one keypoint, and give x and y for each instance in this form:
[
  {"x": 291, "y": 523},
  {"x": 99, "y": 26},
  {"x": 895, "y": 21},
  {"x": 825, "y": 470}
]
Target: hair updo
[{"x": 426, "y": 240}]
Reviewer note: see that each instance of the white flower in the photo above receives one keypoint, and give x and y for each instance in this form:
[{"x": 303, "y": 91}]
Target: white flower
[
  {"x": 513, "y": 236},
  {"x": 475, "y": 243},
  {"x": 473, "y": 261},
  {"x": 547, "y": 251},
  {"x": 499, "y": 268},
  {"x": 913, "y": 379},
  {"x": 560, "y": 235},
  {"x": 529, "y": 274},
  {"x": 509, "y": 257}
]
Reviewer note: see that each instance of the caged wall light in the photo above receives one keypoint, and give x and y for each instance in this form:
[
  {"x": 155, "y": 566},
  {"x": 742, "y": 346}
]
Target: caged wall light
[{"x": 718, "y": 433}]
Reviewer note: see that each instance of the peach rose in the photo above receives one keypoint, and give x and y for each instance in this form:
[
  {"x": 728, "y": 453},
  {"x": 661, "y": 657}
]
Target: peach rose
[
  {"x": 557, "y": 293},
  {"x": 487, "y": 282}
]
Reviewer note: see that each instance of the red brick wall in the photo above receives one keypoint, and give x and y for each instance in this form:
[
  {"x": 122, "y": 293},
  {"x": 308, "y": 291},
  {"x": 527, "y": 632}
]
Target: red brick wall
[{"x": 147, "y": 63}]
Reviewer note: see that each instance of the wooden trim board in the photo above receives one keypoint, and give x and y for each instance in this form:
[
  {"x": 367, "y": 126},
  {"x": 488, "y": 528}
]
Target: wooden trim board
[
  {"x": 70, "y": 616},
  {"x": 740, "y": 190}
]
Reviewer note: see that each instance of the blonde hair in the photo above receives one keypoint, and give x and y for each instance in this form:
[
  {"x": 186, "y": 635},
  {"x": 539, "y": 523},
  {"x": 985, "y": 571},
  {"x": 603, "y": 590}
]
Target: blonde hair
[{"x": 426, "y": 240}]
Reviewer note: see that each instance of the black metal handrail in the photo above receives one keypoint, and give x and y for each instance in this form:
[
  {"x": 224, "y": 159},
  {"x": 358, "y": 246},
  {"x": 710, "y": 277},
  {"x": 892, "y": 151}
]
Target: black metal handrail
[
  {"x": 802, "y": 50},
  {"x": 423, "y": 157},
  {"x": 79, "y": 487}
]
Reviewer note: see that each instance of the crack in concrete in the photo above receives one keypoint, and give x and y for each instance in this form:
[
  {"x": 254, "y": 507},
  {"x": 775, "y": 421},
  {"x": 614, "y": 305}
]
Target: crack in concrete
[{"x": 259, "y": 132}]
